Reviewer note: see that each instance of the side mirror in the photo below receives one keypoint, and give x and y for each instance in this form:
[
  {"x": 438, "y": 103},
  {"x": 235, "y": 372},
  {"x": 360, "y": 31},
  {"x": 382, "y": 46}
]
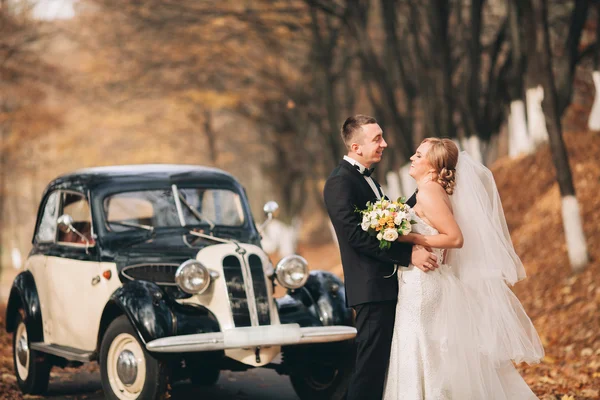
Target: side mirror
[
  {"x": 65, "y": 223},
  {"x": 269, "y": 208}
]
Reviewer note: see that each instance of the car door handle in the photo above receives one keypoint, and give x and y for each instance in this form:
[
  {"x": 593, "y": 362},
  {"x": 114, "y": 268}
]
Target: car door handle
[{"x": 95, "y": 280}]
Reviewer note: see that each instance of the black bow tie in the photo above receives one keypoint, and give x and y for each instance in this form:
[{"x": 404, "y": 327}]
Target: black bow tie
[{"x": 365, "y": 171}]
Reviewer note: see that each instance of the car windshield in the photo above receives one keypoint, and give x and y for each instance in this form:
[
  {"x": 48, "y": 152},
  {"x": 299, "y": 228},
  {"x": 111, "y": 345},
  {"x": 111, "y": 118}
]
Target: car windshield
[{"x": 145, "y": 209}]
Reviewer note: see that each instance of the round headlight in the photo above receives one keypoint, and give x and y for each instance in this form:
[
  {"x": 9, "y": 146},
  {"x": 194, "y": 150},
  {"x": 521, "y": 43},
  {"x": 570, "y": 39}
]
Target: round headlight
[
  {"x": 192, "y": 277},
  {"x": 292, "y": 272}
]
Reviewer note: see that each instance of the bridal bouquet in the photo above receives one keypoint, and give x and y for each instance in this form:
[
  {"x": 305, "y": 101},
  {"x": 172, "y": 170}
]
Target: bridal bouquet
[{"x": 386, "y": 220}]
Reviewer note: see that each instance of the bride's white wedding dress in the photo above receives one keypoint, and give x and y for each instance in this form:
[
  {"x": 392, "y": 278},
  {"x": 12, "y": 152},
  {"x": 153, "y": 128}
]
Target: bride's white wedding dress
[{"x": 445, "y": 347}]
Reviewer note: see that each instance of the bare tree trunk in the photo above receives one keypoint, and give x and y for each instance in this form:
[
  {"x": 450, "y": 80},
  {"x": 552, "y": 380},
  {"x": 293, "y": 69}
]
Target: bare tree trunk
[
  {"x": 396, "y": 62},
  {"x": 518, "y": 134},
  {"x": 473, "y": 79},
  {"x": 576, "y": 244},
  {"x": 517, "y": 120},
  {"x": 440, "y": 24},
  {"x": 211, "y": 137},
  {"x": 565, "y": 65},
  {"x": 323, "y": 48},
  {"x": 356, "y": 22}
]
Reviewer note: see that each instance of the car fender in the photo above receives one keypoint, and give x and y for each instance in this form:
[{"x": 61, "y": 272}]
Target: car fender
[
  {"x": 321, "y": 301},
  {"x": 24, "y": 295},
  {"x": 153, "y": 314}
]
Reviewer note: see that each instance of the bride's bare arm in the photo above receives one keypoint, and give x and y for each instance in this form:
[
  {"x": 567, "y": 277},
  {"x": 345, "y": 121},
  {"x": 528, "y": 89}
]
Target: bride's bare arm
[{"x": 434, "y": 205}]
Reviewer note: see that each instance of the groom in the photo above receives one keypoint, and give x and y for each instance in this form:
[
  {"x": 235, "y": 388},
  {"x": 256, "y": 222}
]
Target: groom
[{"x": 369, "y": 272}]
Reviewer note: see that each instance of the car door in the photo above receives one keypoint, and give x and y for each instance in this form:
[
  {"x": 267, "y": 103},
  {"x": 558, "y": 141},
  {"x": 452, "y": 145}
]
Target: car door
[
  {"x": 76, "y": 289},
  {"x": 43, "y": 241}
]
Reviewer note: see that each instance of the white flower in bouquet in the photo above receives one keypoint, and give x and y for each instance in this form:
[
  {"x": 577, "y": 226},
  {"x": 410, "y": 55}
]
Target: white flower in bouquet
[
  {"x": 386, "y": 220},
  {"x": 400, "y": 216},
  {"x": 365, "y": 225},
  {"x": 406, "y": 230},
  {"x": 390, "y": 235}
]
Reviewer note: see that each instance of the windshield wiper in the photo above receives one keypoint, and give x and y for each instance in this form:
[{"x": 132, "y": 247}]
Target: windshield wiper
[
  {"x": 133, "y": 225},
  {"x": 180, "y": 199}
]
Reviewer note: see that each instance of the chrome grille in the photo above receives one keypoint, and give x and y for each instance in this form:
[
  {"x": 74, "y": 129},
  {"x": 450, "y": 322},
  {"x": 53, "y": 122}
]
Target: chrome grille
[
  {"x": 238, "y": 300},
  {"x": 162, "y": 274},
  {"x": 241, "y": 292},
  {"x": 261, "y": 292}
]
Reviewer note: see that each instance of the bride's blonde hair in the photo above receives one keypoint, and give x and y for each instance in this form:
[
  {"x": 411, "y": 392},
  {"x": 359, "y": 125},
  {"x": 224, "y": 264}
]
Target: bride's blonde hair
[{"x": 443, "y": 156}]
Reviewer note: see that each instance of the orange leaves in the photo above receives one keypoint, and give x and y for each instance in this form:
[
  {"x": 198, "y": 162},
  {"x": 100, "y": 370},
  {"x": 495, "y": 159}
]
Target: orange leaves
[{"x": 563, "y": 307}]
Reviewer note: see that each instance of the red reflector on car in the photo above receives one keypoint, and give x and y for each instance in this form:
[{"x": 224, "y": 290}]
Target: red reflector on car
[{"x": 107, "y": 274}]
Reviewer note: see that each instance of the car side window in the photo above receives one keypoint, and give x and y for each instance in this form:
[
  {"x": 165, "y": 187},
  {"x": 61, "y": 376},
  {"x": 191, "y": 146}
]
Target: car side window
[
  {"x": 47, "y": 229},
  {"x": 76, "y": 205}
]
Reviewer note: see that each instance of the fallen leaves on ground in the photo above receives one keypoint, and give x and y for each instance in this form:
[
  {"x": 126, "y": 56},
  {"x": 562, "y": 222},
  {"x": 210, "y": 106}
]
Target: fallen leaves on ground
[{"x": 563, "y": 306}]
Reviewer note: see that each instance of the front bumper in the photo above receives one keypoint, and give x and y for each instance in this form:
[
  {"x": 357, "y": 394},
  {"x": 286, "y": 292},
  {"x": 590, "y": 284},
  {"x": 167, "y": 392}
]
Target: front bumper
[{"x": 239, "y": 338}]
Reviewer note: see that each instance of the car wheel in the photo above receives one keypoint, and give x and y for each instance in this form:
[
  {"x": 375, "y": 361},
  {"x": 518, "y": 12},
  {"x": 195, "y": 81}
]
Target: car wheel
[
  {"x": 32, "y": 369},
  {"x": 322, "y": 381},
  {"x": 127, "y": 370},
  {"x": 205, "y": 377}
]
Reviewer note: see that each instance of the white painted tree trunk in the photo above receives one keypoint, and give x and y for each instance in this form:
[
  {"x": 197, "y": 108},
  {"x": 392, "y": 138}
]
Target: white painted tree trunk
[
  {"x": 15, "y": 254},
  {"x": 594, "y": 120},
  {"x": 536, "y": 121},
  {"x": 280, "y": 237},
  {"x": 408, "y": 183},
  {"x": 518, "y": 139},
  {"x": 576, "y": 245},
  {"x": 393, "y": 190},
  {"x": 472, "y": 145}
]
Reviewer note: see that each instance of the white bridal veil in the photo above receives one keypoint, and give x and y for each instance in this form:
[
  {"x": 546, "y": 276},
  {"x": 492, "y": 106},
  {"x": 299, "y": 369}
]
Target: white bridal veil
[{"x": 486, "y": 263}]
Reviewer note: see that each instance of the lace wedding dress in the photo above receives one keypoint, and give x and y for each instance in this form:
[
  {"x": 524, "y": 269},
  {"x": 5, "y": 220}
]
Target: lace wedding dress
[{"x": 441, "y": 349}]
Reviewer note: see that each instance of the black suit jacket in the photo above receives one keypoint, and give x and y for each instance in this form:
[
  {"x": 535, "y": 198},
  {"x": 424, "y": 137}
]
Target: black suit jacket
[{"x": 365, "y": 264}]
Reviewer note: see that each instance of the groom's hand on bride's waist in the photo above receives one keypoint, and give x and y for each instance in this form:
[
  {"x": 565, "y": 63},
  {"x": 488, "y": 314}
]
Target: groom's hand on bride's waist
[{"x": 423, "y": 258}]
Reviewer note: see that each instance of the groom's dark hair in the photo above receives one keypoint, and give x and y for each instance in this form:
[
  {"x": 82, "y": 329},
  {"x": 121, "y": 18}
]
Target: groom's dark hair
[{"x": 352, "y": 125}]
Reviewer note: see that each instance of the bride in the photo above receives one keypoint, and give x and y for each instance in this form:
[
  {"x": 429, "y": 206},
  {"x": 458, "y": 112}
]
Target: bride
[{"x": 458, "y": 328}]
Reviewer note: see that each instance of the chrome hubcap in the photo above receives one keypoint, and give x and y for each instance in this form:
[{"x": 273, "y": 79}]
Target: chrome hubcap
[
  {"x": 127, "y": 367},
  {"x": 22, "y": 350}
]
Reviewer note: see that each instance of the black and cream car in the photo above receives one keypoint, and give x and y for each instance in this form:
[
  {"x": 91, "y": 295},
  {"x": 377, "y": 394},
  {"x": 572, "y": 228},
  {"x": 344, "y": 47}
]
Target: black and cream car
[{"x": 156, "y": 272}]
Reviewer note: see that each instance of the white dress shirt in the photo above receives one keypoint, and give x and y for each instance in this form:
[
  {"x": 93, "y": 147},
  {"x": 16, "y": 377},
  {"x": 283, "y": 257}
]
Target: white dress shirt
[{"x": 369, "y": 180}]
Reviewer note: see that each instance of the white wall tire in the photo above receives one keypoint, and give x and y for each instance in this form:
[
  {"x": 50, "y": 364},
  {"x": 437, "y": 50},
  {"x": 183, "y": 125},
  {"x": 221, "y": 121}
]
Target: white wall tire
[
  {"x": 21, "y": 353},
  {"x": 126, "y": 346},
  {"x": 31, "y": 367},
  {"x": 128, "y": 371}
]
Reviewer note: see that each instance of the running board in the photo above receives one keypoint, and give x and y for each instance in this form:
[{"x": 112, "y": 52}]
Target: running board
[{"x": 69, "y": 353}]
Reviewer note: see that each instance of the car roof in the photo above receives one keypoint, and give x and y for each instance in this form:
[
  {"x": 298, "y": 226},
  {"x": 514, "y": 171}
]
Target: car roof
[{"x": 88, "y": 178}]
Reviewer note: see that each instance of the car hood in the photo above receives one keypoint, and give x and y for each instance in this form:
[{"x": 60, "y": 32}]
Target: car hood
[
  {"x": 170, "y": 249},
  {"x": 173, "y": 247}
]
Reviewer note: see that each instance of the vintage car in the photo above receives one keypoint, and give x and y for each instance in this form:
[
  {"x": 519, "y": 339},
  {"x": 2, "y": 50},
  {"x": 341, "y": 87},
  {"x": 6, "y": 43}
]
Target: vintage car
[{"x": 157, "y": 273}]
